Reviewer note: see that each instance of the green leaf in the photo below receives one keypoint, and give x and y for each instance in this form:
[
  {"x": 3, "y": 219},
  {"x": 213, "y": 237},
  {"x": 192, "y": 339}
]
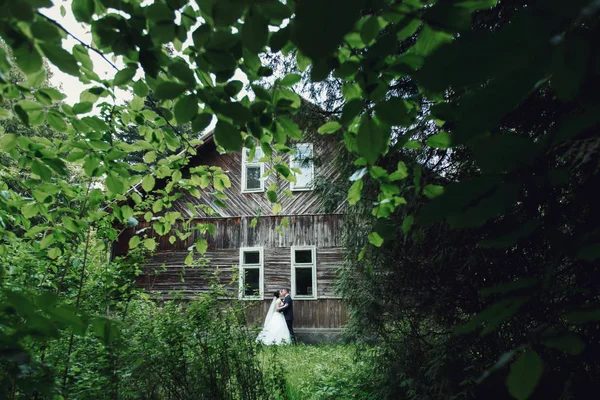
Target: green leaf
[
  {"x": 228, "y": 136},
  {"x": 5, "y": 114},
  {"x": 47, "y": 241},
  {"x": 329, "y": 127},
  {"x": 201, "y": 245},
  {"x": 169, "y": 90},
  {"x": 234, "y": 87},
  {"x": 8, "y": 142},
  {"x": 318, "y": 34},
  {"x": 186, "y": 109},
  {"x": 28, "y": 58},
  {"x": 53, "y": 94},
  {"x": 41, "y": 170},
  {"x": 95, "y": 123},
  {"x": 83, "y": 108},
  {"x": 440, "y": 140},
  {"x": 148, "y": 183},
  {"x": 45, "y": 31},
  {"x": 290, "y": 79},
  {"x": 56, "y": 121},
  {"x": 261, "y": 92},
  {"x": 255, "y": 31},
  {"x": 54, "y": 253},
  {"x": 371, "y": 139},
  {"x": 433, "y": 191},
  {"x": 355, "y": 191},
  {"x": 67, "y": 315},
  {"x": 290, "y": 127},
  {"x": 150, "y": 244},
  {"x": 302, "y": 61},
  {"x": 569, "y": 343},
  {"x": 140, "y": 88},
  {"x": 201, "y": 121},
  {"x": 124, "y": 76},
  {"x": 61, "y": 58},
  {"x": 429, "y": 40},
  {"x": 524, "y": 375},
  {"x": 29, "y": 105},
  {"x": 492, "y": 316},
  {"x": 134, "y": 242},
  {"x": 272, "y": 196},
  {"x": 407, "y": 223},
  {"x": 30, "y": 210},
  {"x": 412, "y": 144},
  {"x": 235, "y": 111},
  {"x": 393, "y": 112},
  {"x": 370, "y": 29},
  {"x": 115, "y": 184},
  {"x": 83, "y": 10},
  {"x": 150, "y": 157},
  {"x": 375, "y": 239}
]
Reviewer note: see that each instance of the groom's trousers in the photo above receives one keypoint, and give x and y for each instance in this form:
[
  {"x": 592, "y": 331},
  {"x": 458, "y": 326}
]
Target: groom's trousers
[{"x": 290, "y": 325}]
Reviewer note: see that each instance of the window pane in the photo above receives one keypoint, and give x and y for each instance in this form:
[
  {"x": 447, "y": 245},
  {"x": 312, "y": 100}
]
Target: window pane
[
  {"x": 305, "y": 178},
  {"x": 303, "y": 160},
  {"x": 251, "y": 282},
  {"x": 303, "y": 151},
  {"x": 251, "y": 257},
  {"x": 253, "y": 177},
  {"x": 304, "y": 257},
  {"x": 304, "y": 284}
]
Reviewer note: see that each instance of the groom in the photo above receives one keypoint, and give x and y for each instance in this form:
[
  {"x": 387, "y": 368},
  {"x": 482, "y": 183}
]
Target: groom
[{"x": 288, "y": 311}]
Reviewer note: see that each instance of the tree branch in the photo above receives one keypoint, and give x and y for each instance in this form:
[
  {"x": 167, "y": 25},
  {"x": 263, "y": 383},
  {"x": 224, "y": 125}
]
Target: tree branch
[{"x": 87, "y": 46}]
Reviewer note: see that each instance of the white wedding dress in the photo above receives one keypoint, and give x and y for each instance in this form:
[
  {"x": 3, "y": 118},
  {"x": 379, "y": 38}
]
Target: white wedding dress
[{"x": 275, "y": 330}]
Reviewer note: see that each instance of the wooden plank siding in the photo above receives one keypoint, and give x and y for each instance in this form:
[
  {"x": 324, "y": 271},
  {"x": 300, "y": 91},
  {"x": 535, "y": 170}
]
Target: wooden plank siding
[
  {"x": 325, "y": 151},
  {"x": 323, "y": 314},
  {"x": 165, "y": 271}
]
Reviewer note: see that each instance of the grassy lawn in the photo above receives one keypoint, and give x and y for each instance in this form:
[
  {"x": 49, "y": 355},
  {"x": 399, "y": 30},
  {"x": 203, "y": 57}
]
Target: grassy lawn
[{"x": 324, "y": 371}]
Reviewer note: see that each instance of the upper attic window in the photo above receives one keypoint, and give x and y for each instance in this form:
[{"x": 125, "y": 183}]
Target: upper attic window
[
  {"x": 252, "y": 171},
  {"x": 302, "y": 161}
]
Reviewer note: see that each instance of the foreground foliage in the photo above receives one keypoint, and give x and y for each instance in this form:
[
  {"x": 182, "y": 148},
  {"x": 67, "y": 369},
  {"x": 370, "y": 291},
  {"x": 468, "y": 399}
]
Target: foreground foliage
[
  {"x": 326, "y": 371},
  {"x": 437, "y": 110}
]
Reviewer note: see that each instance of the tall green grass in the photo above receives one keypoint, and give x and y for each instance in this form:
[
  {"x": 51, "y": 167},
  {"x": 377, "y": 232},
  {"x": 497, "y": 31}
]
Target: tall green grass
[{"x": 325, "y": 372}]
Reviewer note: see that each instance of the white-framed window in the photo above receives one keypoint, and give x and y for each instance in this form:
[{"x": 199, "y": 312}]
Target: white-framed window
[
  {"x": 251, "y": 273},
  {"x": 303, "y": 167},
  {"x": 304, "y": 272},
  {"x": 252, "y": 171}
]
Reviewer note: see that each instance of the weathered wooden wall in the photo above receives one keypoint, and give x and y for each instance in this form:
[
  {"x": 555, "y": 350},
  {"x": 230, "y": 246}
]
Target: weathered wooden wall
[
  {"x": 325, "y": 151},
  {"x": 308, "y": 315}
]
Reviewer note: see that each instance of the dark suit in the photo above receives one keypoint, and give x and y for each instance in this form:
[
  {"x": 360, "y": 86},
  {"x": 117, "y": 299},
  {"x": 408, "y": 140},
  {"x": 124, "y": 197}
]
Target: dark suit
[{"x": 288, "y": 313}]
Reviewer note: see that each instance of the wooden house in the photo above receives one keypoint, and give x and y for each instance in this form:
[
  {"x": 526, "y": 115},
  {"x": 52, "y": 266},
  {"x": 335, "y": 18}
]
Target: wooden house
[{"x": 299, "y": 248}]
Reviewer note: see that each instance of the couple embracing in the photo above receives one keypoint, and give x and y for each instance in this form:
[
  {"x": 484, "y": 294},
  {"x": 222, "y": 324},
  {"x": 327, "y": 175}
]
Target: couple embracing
[{"x": 279, "y": 322}]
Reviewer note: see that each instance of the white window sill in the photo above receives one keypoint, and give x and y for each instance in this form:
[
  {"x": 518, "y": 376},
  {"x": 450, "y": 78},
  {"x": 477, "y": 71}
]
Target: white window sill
[{"x": 253, "y": 190}]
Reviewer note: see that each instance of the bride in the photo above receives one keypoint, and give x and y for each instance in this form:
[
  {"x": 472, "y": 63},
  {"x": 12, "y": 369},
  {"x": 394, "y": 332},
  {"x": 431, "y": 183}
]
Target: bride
[{"x": 275, "y": 330}]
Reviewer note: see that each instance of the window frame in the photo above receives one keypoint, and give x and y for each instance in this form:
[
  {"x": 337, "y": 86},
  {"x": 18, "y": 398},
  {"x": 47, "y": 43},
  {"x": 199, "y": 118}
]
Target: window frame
[
  {"x": 261, "y": 274},
  {"x": 295, "y": 265},
  {"x": 293, "y": 185},
  {"x": 246, "y": 164}
]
